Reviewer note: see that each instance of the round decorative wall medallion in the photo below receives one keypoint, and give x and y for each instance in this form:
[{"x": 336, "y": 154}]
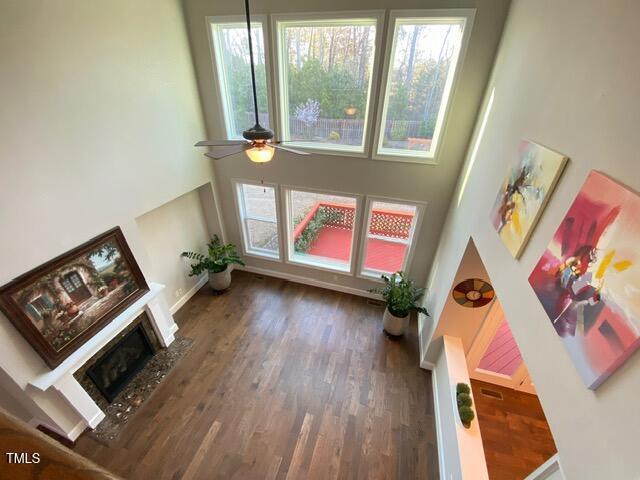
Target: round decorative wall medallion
[{"x": 473, "y": 293}]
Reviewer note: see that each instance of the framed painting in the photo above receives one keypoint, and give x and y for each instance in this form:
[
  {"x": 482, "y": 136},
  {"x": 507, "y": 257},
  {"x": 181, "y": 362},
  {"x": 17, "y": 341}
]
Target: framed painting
[
  {"x": 58, "y": 306},
  {"x": 524, "y": 194},
  {"x": 588, "y": 279}
]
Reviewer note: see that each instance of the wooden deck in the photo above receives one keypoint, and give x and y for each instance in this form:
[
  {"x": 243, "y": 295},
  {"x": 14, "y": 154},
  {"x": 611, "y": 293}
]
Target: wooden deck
[{"x": 335, "y": 243}]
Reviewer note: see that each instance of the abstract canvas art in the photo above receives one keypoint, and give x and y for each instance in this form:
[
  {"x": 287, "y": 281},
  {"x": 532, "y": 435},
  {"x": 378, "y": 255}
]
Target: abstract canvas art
[
  {"x": 524, "y": 194},
  {"x": 588, "y": 279}
]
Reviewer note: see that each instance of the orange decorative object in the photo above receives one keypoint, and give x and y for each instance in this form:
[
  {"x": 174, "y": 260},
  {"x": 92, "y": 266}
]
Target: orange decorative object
[{"x": 473, "y": 293}]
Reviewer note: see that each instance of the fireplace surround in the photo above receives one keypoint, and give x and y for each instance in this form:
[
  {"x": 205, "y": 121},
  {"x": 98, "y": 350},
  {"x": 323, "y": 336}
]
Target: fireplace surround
[
  {"x": 60, "y": 402},
  {"x": 113, "y": 370}
]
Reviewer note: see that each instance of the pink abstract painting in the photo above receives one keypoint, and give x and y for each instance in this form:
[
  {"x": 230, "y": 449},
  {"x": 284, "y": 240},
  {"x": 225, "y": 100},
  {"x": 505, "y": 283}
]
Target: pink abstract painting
[{"x": 588, "y": 279}]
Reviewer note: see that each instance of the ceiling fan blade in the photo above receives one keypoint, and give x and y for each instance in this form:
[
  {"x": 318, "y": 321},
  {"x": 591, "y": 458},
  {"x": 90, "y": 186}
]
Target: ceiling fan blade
[
  {"x": 225, "y": 152},
  {"x": 280, "y": 147},
  {"x": 218, "y": 143}
]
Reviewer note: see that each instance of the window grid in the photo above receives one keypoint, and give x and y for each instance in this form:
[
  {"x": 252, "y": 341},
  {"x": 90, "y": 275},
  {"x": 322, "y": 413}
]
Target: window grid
[{"x": 380, "y": 136}]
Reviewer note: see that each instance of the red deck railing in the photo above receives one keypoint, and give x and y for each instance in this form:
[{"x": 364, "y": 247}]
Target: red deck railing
[{"x": 384, "y": 223}]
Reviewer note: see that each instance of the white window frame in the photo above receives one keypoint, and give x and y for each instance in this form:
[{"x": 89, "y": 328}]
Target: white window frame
[
  {"x": 281, "y": 94},
  {"x": 413, "y": 235},
  {"x": 425, "y": 17},
  {"x": 241, "y": 213},
  {"x": 218, "y": 67},
  {"x": 289, "y": 251}
]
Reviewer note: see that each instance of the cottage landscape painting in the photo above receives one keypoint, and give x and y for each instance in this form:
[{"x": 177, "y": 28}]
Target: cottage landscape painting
[
  {"x": 58, "y": 305},
  {"x": 588, "y": 279},
  {"x": 524, "y": 194}
]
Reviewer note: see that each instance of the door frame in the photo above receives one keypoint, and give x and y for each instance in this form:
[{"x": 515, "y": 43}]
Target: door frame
[{"x": 520, "y": 380}]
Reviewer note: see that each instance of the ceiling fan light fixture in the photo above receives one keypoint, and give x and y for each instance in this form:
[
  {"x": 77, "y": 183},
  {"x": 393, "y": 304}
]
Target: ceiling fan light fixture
[{"x": 260, "y": 152}]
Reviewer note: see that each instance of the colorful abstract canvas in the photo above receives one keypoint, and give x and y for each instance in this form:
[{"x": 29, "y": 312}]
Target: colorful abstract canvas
[
  {"x": 588, "y": 279},
  {"x": 524, "y": 194}
]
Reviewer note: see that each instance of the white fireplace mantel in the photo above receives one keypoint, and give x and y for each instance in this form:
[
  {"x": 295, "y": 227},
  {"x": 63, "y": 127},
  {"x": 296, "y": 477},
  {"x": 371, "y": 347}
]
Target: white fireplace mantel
[{"x": 60, "y": 381}]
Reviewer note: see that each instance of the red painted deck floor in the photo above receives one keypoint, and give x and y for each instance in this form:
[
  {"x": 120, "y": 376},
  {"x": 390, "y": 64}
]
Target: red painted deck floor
[{"x": 335, "y": 243}]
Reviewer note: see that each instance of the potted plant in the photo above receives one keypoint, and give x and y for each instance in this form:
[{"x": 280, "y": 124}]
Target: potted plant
[
  {"x": 401, "y": 296},
  {"x": 216, "y": 262}
]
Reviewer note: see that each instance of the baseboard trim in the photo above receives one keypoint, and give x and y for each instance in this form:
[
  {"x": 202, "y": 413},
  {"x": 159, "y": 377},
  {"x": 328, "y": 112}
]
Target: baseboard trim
[
  {"x": 187, "y": 296},
  {"x": 427, "y": 365},
  {"x": 308, "y": 281},
  {"x": 548, "y": 468},
  {"x": 78, "y": 429}
]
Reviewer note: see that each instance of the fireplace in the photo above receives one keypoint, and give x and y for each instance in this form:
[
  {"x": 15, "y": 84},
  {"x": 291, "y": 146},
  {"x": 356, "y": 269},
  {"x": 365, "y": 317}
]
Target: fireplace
[{"x": 113, "y": 370}]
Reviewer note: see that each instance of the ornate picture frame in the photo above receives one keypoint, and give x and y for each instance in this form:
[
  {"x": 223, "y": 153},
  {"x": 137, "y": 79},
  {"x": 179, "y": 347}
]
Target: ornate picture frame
[{"x": 60, "y": 305}]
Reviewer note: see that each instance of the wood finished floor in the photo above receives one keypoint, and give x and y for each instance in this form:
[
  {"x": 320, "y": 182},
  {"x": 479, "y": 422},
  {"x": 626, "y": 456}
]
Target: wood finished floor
[
  {"x": 515, "y": 433},
  {"x": 284, "y": 381}
]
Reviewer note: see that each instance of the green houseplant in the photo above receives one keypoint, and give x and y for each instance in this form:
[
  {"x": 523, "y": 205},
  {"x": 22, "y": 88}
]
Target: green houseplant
[
  {"x": 401, "y": 296},
  {"x": 216, "y": 262}
]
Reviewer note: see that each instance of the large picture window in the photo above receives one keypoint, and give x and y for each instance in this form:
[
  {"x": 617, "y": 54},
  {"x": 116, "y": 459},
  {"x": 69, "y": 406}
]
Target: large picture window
[
  {"x": 231, "y": 53},
  {"x": 325, "y": 75},
  {"x": 321, "y": 229},
  {"x": 420, "y": 70},
  {"x": 338, "y": 86},
  {"x": 258, "y": 215}
]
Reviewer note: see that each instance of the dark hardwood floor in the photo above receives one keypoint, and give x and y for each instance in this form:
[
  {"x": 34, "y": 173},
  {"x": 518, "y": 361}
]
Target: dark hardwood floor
[
  {"x": 283, "y": 381},
  {"x": 515, "y": 433}
]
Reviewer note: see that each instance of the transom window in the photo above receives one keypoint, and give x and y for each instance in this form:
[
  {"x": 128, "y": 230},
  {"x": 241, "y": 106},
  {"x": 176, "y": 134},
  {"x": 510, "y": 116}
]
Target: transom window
[
  {"x": 258, "y": 215},
  {"x": 325, "y": 76},
  {"x": 420, "y": 70},
  {"x": 326, "y": 70},
  {"x": 232, "y": 64}
]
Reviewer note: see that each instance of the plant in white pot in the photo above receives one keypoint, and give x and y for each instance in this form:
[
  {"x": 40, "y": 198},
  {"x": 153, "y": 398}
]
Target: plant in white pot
[
  {"x": 402, "y": 297},
  {"x": 216, "y": 262}
]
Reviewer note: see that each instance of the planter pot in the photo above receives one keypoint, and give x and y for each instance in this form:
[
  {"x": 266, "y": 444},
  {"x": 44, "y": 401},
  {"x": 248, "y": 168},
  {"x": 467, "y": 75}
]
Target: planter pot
[
  {"x": 221, "y": 280},
  {"x": 393, "y": 325}
]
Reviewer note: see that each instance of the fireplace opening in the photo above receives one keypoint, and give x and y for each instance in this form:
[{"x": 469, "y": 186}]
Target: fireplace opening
[{"x": 113, "y": 370}]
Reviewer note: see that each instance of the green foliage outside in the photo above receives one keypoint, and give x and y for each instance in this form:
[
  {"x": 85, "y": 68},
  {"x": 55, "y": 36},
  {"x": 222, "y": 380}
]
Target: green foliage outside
[
  {"x": 218, "y": 257},
  {"x": 310, "y": 233},
  {"x": 333, "y": 89},
  {"x": 401, "y": 294},
  {"x": 241, "y": 94},
  {"x": 332, "y": 68},
  {"x": 418, "y": 101},
  {"x": 322, "y": 217}
]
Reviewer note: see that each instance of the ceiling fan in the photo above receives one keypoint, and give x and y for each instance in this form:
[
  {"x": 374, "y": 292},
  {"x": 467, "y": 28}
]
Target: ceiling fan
[{"x": 259, "y": 144}]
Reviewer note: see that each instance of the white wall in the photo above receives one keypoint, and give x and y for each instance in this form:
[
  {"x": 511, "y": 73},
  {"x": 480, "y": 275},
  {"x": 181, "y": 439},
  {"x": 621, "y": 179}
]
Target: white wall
[
  {"x": 566, "y": 76},
  {"x": 460, "y": 450},
  {"x": 167, "y": 231},
  {"x": 429, "y": 183},
  {"x": 98, "y": 116},
  {"x": 455, "y": 320}
]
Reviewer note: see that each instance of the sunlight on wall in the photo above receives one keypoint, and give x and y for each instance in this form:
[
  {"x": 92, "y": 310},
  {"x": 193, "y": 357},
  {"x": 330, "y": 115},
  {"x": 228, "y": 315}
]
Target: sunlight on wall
[{"x": 472, "y": 160}]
